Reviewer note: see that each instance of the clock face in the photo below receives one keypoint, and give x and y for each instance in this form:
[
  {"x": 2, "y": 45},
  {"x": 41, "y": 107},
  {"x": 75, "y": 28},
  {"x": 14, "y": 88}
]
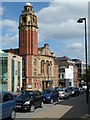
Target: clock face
[{"x": 24, "y": 19}]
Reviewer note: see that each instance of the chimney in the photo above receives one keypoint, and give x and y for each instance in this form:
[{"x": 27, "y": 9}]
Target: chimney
[{"x": 46, "y": 45}]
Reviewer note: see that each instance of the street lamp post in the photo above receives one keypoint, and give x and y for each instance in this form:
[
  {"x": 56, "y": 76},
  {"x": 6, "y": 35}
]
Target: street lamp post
[{"x": 81, "y": 21}]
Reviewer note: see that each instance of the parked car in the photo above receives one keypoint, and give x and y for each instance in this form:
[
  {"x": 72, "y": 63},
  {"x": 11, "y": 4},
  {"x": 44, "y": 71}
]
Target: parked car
[
  {"x": 85, "y": 87},
  {"x": 29, "y": 100},
  {"x": 74, "y": 91},
  {"x": 7, "y": 105},
  {"x": 81, "y": 90},
  {"x": 50, "y": 95},
  {"x": 77, "y": 92},
  {"x": 63, "y": 93}
]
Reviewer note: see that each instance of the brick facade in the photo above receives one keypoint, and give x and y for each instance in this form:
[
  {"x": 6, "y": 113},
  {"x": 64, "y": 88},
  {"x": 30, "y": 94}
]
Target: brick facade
[
  {"x": 32, "y": 56},
  {"x": 28, "y": 43},
  {"x": 76, "y": 82}
]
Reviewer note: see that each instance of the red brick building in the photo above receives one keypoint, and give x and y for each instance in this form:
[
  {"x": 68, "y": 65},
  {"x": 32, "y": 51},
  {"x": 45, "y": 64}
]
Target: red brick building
[
  {"x": 33, "y": 77},
  {"x": 76, "y": 82}
]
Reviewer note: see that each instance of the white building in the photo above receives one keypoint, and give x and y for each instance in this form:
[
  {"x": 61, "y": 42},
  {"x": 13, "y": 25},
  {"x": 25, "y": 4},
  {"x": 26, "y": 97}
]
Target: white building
[{"x": 67, "y": 74}]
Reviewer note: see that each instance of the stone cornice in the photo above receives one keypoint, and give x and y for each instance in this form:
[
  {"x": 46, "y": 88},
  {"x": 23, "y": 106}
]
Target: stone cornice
[
  {"x": 27, "y": 26},
  {"x": 46, "y": 55}
]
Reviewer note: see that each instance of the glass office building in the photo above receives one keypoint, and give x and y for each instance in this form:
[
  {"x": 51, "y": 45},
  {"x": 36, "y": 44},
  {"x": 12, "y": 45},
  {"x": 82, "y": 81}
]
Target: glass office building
[
  {"x": 10, "y": 72},
  {"x": 3, "y": 71}
]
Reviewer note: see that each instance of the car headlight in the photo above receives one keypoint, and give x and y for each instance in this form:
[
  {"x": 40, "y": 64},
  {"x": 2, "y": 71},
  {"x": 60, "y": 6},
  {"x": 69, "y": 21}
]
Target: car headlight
[
  {"x": 72, "y": 92},
  {"x": 27, "y": 103}
]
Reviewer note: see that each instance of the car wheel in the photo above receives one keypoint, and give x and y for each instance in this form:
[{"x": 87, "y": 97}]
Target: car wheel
[
  {"x": 58, "y": 99},
  {"x": 68, "y": 97},
  {"x": 41, "y": 105},
  {"x": 32, "y": 108},
  {"x": 13, "y": 115},
  {"x": 51, "y": 101}
]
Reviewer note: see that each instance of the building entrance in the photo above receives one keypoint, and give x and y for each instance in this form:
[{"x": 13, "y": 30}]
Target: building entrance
[{"x": 46, "y": 84}]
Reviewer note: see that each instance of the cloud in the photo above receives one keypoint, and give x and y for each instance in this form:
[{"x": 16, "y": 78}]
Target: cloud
[
  {"x": 76, "y": 50},
  {"x": 59, "y": 20},
  {"x": 10, "y": 41},
  {"x": 9, "y": 25},
  {"x": 10, "y": 33},
  {"x": 75, "y": 46},
  {"x": 59, "y": 31}
]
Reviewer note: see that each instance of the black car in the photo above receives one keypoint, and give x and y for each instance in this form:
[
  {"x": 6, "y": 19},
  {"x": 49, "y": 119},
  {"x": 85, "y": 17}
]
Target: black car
[
  {"x": 29, "y": 100},
  {"x": 74, "y": 91},
  {"x": 77, "y": 92}
]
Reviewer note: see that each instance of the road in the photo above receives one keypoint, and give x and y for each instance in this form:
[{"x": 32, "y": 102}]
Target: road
[{"x": 74, "y": 107}]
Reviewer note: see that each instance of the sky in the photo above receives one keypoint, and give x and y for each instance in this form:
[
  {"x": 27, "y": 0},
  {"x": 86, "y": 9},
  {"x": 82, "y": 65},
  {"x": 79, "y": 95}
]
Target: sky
[{"x": 57, "y": 26}]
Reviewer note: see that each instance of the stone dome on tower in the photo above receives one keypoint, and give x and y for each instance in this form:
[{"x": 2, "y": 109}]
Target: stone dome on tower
[{"x": 28, "y": 4}]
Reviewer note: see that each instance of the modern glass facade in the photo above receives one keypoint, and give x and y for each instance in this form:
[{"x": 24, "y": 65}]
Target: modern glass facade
[
  {"x": 10, "y": 69},
  {"x": 3, "y": 71}
]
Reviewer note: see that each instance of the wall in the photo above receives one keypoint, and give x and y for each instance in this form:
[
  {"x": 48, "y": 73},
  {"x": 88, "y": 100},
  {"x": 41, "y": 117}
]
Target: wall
[{"x": 16, "y": 60}]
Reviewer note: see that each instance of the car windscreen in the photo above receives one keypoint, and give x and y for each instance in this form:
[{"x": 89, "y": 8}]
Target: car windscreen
[
  {"x": 26, "y": 94},
  {"x": 47, "y": 91}
]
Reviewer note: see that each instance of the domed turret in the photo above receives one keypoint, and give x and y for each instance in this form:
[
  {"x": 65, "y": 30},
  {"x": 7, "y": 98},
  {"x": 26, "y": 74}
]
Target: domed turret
[
  {"x": 28, "y": 31},
  {"x": 28, "y": 4}
]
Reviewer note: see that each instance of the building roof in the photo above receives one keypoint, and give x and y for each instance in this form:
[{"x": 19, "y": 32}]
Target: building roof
[
  {"x": 64, "y": 58},
  {"x": 40, "y": 48},
  {"x": 14, "y": 51},
  {"x": 76, "y": 60}
]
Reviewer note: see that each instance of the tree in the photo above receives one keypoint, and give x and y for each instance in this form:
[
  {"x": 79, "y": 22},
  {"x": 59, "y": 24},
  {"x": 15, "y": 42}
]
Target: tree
[
  {"x": 83, "y": 77},
  {"x": 88, "y": 76}
]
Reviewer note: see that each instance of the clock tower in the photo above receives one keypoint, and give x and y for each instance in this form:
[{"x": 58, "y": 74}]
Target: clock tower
[{"x": 28, "y": 45}]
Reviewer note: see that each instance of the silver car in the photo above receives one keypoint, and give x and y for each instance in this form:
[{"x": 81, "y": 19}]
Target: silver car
[{"x": 63, "y": 93}]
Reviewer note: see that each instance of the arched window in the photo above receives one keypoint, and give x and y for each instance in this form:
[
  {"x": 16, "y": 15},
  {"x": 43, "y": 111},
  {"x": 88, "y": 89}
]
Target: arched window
[
  {"x": 35, "y": 84},
  {"x": 42, "y": 66},
  {"x": 35, "y": 61},
  {"x": 50, "y": 67},
  {"x": 47, "y": 67}
]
